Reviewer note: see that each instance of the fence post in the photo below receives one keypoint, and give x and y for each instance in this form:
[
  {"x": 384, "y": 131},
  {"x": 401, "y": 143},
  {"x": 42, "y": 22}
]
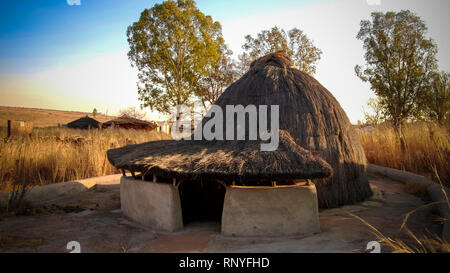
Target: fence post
[{"x": 9, "y": 128}]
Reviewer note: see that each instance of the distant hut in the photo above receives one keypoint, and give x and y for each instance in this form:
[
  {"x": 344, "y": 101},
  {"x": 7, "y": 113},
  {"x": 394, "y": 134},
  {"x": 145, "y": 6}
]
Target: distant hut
[
  {"x": 314, "y": 122},
  {"x": 130, "y": 123},
  {"x": 85, "y": 123}
]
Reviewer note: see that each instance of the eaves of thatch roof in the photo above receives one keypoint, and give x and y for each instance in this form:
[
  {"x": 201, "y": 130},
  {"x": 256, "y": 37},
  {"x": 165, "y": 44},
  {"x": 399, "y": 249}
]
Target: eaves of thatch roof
[{"x": 225, "y": 160}]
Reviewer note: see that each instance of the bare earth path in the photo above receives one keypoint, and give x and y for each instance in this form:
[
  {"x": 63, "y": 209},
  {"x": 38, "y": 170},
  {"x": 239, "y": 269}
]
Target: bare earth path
[{"x": 94, "y": 220}]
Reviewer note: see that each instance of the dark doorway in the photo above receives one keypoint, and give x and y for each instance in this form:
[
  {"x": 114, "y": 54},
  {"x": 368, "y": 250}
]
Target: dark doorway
[{"x": 201, "y": 200}]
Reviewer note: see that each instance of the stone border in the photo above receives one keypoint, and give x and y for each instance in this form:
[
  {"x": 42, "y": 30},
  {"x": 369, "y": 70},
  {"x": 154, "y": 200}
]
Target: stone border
[
  {"x": 53, "y": 192},
  {"x": 434, "y": 190}
]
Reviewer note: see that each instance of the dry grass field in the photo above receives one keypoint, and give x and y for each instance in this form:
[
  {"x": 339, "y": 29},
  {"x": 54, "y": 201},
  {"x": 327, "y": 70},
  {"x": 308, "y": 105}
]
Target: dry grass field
[
  {"x": 53, "y": 155},
  {"x": 427, "y": 149},
  {"x": 43, "y": 117}
]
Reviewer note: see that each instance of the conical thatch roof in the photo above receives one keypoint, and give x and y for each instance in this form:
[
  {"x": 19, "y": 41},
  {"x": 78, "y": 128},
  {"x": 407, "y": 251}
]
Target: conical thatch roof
[
  {"x": 315, "y": 120},
  {"x": 84, "y": 123},
  {"x": 125, "y": 120},
  {"x": 224, "y": 160}
]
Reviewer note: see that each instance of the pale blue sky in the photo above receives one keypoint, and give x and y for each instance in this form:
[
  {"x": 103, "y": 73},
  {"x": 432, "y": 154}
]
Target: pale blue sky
[{"x": 57, "y": 56}]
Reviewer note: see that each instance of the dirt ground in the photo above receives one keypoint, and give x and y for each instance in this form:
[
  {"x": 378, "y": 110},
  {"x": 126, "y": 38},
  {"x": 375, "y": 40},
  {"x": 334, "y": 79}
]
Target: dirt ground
[{"x": 94, "y": 219}]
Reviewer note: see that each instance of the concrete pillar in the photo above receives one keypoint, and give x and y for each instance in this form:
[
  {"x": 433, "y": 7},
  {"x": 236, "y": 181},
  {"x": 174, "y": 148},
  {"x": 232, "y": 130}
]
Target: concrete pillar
[
  {"x": 270, "y": 211},
  {"x": 156, "y": 205}
]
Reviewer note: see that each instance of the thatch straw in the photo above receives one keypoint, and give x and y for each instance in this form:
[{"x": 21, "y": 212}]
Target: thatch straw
[
  {"x": 84, "y": 123},
  {"x": 313, "y": 117},
  {"x": 125, "y": 120},
  {"x": 229, "y": 161}
]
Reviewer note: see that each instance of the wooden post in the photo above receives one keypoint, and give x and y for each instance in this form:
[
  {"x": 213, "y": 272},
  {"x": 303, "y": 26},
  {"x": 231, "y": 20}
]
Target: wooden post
[
  {"x": 123, "y": 172},
  {"x": 274, "y": 183},
  {"x": 154, "y": 178},
  {"x": 221, "y": 182},
  {"x": 9, "y": 128},
  {"x": 174, "y": 181}
]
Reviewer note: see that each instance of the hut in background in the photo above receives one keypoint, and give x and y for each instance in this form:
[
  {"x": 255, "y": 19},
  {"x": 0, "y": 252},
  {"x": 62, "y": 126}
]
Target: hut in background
[
  {"x": 130, "y": 123},
  {"x": 85, "y": 123}
]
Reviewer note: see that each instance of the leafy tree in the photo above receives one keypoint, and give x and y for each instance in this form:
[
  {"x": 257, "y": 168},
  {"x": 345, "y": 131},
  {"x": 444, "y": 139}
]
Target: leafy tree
[
  {"x": 399, "y": 63},
  {"x": 376, "y": 116},
  {"x": 244, "y": 61},
  {"x": 173, "y": 44},
  {"x": 132, "y": 112},
  {"x": 438, "y": 104},
  {"x": 220, "y": 75},
  {"x": 94, "y": 112},
  {"x": 294, "y": 43}
]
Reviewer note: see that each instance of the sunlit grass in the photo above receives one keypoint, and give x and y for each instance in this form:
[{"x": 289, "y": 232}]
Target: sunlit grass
[
  {"x": 426, "y": 146},
  {"x": 53, "y": 155}
]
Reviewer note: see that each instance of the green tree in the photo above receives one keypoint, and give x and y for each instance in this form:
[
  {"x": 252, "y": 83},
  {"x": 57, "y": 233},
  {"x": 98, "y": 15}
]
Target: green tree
[
  {"x": 220, "y": 75},
  {"x": 438, "y": 104},
  {"x": 172, "y": 45},
  {"x": 399, "y": 63},
  {"x": 294, "y": 43}
]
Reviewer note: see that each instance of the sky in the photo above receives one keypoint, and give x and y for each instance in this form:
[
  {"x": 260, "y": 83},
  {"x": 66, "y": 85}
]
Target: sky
[{"x": 72, "y": 54}]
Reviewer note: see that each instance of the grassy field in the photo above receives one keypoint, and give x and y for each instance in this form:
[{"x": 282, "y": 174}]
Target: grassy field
[
  {"x": 427, "y": 148},
  {"x": 43, "y": 117},
  {"x": 53, "y": 155}
]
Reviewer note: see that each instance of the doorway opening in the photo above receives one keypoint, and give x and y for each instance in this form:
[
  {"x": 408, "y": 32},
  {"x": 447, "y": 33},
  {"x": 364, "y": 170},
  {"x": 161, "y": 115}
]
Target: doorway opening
[{"x": 201, "y": 201}]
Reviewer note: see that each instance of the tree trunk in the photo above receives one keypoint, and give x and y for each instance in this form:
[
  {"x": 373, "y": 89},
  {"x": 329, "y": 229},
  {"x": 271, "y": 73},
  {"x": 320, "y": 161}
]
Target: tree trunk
[{"x": 398, "y": 128}]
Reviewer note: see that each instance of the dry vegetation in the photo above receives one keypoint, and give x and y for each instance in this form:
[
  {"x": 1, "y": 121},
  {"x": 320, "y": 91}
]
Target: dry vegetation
[
  {"x": 44, "y": 117},
  {"x": 427, "y": 146},
  {"x": 425, "y": 243},
  {"x": 60, "y": 154}
]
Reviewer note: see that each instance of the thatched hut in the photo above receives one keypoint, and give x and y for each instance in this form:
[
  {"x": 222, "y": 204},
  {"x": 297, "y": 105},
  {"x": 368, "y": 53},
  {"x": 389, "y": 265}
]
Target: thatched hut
[
  {"x": 314, "y": 118},
  {"x": 84, "y": 123},
  {"x": 313, "y": 127},
  {"x": 130, "y": 123}
]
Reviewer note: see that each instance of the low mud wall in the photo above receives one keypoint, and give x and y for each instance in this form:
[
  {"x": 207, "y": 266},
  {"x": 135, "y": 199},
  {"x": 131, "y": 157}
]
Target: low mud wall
[
  {"x": 270, "y": 211},
  {"x": 53, "y": 192},
  {"x": 436, "y": 192},
  {"x": 155, "y": 205}
]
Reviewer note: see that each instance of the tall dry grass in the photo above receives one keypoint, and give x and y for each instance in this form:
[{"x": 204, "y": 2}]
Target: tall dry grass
[
  {"x": 427, "y": 146},
  {"x": 53, "y": 155}
]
